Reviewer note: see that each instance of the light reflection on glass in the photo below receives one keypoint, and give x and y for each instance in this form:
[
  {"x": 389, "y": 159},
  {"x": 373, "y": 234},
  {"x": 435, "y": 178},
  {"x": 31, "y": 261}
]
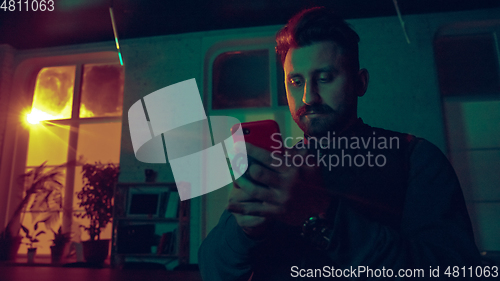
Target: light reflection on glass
[
  {"x": 102, "y": 90},
  {"x": 53, "y": 96}
]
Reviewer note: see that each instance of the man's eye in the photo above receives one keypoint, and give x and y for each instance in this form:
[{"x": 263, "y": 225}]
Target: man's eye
[
  {"x": 295, "y": 82},
  {"x": 325, "y": 78}
]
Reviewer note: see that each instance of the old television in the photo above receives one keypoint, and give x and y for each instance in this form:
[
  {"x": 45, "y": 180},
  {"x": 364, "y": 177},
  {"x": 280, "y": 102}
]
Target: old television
[{"x": 144, "y": 202}]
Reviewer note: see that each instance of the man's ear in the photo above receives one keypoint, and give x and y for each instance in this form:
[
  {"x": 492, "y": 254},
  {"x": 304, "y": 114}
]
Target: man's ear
[{"x": 363, "y": 78}]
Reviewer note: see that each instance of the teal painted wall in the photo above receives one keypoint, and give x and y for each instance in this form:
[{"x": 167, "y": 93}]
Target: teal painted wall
[{"x": 403, "y": 93}]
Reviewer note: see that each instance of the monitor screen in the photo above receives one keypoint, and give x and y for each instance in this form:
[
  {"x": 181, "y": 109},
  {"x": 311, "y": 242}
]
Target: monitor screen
[{"x": 144, "y": 204}]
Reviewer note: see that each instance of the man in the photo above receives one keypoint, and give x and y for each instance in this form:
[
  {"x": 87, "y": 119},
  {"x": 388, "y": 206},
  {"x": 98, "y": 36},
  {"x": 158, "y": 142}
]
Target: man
[{"x": 382, "y": 205}]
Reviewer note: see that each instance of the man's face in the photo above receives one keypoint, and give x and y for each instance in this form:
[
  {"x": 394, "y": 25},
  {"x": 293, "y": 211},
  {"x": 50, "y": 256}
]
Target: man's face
[{"x": 321, "y": 89}]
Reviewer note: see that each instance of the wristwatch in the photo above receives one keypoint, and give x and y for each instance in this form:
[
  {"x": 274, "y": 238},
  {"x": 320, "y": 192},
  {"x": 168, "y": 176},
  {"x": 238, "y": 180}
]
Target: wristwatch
[{"x": 317, "y": 231}]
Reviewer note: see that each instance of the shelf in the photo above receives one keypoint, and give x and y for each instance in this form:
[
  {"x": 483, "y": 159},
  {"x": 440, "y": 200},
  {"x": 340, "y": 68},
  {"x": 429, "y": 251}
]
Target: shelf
[{"x": 134, "y": 229}]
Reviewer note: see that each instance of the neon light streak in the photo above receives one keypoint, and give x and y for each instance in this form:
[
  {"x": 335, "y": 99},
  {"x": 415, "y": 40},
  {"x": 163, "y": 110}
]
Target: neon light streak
[{"x": 116, "y": 35}]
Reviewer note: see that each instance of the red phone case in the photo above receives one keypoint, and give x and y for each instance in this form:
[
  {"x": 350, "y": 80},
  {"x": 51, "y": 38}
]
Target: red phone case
[{"x": 264, "y": 134}]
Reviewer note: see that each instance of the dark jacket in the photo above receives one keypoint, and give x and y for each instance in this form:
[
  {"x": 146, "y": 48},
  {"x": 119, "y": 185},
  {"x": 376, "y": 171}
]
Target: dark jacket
[{"x": 406, "y": 214}]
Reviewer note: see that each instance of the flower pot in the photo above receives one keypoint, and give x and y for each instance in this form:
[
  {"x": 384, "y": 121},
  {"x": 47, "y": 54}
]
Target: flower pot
[
  {"x": 9, "y": 248},
  {"x": 31, "y": 255},
  {"x": 95, "y": 251},
  {"x": 57, "y": 252}
]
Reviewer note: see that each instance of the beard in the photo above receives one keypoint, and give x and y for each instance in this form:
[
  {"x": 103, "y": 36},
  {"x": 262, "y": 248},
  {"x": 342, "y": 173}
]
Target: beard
[{"x": 330, "y": 121}]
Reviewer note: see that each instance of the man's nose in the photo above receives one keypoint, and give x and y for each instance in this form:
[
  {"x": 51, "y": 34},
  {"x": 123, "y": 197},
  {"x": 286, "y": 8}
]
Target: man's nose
[{"x": 311, "y": 95}]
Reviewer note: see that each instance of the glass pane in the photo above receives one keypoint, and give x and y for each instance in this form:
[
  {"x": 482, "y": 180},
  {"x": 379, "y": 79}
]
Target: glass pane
[
  {"x": 77, "y": 188},
  {"x": 100, "y": 142},
  {"x": 44, "y": 239},
  {"x": 48, "y": 143},
  {"x": 51, "y": 198},
  {"x": 53, "y": 96},
  {"x": 102, "y": 90},
  {"x": 468, "y": 65},
  {"x": 96, "y": 142},
  {"x": 241, "y": 79},
  {"x": 45, "y": 208},
  {"x": 472, "y": 124},
  {"x": 79, "y": 233},
  {"x": 78, "y": 185},
  {"x": 83, "y": 235}
]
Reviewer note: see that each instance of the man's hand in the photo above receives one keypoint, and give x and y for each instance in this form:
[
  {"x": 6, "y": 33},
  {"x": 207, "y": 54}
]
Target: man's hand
[
  {"x": 283, "y": 192},
  {"x": 254, "y": 226}
]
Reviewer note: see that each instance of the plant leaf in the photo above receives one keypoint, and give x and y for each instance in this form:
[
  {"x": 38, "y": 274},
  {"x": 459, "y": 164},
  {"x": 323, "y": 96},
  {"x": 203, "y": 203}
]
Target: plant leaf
[{"x": 26, "y": 231}]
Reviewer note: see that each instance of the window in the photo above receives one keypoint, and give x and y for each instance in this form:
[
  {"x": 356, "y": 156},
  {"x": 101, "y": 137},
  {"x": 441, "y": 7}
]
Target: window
[
  {"x": 241, "y": 79},
  {"x": 468, "y": 65},
  {"x": 469, "y": 79},
  {"x": 245, "y": 79},
  {"x": 76, "y": 113}
]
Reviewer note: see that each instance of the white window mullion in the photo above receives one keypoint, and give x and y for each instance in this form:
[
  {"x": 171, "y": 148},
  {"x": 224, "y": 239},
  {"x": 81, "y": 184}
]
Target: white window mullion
[{"x": 67, "y": 218}]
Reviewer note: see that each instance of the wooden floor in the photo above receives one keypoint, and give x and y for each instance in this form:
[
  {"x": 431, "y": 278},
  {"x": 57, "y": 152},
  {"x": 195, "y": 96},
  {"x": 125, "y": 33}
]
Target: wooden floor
[
  {"x": 52, "y": 273},
  {"x": 44, "y": 270}
]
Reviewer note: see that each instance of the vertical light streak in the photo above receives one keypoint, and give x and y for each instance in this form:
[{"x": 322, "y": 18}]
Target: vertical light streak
[{"x": 116, "y": 35}]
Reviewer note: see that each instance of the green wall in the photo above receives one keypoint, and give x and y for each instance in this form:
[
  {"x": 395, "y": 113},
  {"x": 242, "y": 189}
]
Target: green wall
[{"x": 403, "y": 93}]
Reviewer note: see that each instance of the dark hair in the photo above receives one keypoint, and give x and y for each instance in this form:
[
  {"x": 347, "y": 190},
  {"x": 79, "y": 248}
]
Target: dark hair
[{"x": 316, "y": 25}]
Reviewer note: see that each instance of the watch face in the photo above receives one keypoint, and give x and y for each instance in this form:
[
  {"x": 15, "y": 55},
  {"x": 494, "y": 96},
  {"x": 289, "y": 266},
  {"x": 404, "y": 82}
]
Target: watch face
[{"x": 316, "y": 231}]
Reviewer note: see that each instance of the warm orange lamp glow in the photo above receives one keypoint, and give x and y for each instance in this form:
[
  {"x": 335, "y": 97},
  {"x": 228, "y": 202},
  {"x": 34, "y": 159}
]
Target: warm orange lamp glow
[
  {"x": 37, "y": 115},
  {"x": 32, "y": 119}
]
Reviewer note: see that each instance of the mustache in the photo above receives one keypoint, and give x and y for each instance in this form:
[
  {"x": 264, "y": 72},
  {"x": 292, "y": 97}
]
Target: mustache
[{"x": 317, "y": 108}]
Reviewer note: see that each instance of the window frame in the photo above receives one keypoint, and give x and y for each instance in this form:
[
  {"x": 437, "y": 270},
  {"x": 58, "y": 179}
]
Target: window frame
[
  {"x": 242, "y": 45},
  {"x": 26, "y": 67},
  {"x": 477, "y": 206}
]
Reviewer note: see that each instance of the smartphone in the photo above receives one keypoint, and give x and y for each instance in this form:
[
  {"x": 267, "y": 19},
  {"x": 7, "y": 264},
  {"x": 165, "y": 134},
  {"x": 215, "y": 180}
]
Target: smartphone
[{"x": 264, "y": 134}]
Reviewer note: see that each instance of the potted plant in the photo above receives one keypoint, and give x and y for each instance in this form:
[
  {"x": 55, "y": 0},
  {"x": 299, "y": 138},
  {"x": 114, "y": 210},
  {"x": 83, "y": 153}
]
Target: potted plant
[
  {"x": 32, "y": 240},
  {"x": 43, "y": 184},
  {"x": 9, "y": 244},
  {"x": 96, "y": 197},
  {"x": 59, "y": 244}
]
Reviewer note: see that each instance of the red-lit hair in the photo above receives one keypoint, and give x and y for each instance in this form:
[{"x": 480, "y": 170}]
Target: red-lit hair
[{"x": 318, "y": 25}]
